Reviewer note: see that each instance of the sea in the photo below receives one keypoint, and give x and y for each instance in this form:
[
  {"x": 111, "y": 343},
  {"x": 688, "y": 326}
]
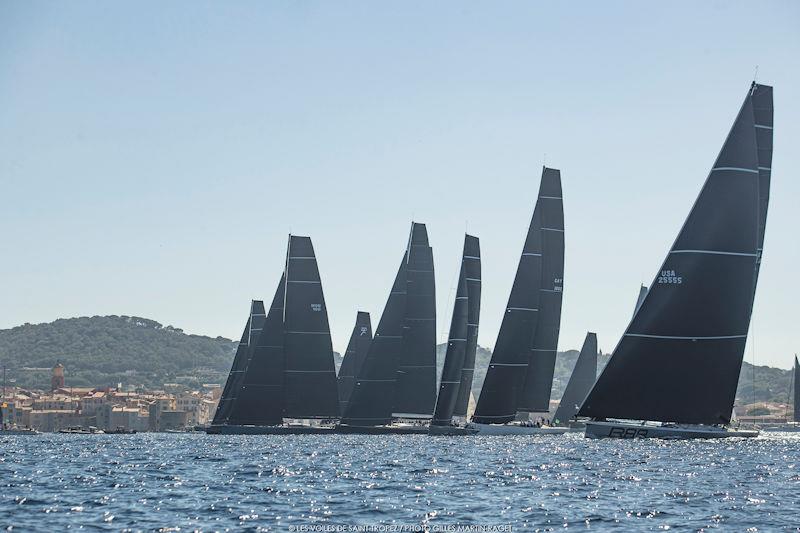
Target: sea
[{"x": 332, "y": 483}]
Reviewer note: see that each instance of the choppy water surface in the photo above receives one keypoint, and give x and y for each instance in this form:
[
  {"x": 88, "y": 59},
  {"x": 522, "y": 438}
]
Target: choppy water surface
[{"x": 195, "y": 481}]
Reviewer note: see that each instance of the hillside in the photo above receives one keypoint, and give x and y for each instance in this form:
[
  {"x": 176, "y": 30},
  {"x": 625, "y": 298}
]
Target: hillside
[{"x": 106, "y": 350}]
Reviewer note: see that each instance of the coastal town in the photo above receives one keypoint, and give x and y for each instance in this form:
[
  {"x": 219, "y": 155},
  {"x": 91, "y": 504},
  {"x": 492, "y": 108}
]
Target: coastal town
[{"x": 108, "y": 409}]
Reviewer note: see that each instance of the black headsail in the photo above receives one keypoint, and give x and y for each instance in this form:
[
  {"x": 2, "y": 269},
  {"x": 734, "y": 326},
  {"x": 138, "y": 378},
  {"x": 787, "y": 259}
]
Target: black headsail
[
  {"x": 535, "y": 395},
  {"x": 415, "y": 390},
  {"x": 261, "y": 397},
  {"x": 354, "y": 357},
  {"x": 310, "y": 375},
  {"x": 580, "y": 381},
  {"x": 472, "y": 270},
  {"x": 497, "y": 403},
  {"x": 454, "y": 358},
  {"x": 236, "y": 375},
  {"x": 796, "y": 390},
  {"x": 680, "y": 357},
  {"x": 373, "y": 395}
]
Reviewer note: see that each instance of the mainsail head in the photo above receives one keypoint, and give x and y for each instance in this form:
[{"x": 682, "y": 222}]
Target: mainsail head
[{"x": 680, "y": 357}]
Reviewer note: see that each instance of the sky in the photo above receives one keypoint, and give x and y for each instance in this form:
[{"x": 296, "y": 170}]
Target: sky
[{"x": 155, "y": 155}]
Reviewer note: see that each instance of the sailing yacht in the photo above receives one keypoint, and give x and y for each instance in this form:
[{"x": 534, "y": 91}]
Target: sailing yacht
[
  {"x": 675, "y": 371},
  {"x": 354, "y": 356},
  {"x": 462, "y": 343},
  {"x": 283, "y": 379},
  {"x": 794, "y": 389},
  {"x": 520, "y": 374},
  {"x": 395, "y": 388},
  {"x": 580, "y": 383}
]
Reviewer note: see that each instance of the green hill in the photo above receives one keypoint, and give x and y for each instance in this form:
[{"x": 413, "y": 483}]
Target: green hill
[{"x": 106, "y": 350}]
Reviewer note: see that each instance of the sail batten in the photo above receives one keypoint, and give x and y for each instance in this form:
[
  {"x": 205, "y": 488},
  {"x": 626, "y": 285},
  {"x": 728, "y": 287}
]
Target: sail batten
[{"x": 680, "y": 357}]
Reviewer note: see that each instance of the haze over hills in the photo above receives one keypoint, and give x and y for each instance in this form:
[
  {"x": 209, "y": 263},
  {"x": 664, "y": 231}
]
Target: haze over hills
[{"x": 106, "y": 350}]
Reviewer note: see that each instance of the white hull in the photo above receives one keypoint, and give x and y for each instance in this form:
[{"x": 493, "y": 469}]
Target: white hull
[
  {"x": 515, "y": 429},
  {"x": 4, "y": 432},
  {"x": 783, "y": 428},
  {"x": 630, "y": 430}
]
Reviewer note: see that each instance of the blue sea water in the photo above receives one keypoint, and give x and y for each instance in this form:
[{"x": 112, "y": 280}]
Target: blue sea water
[{"x": 203, "y": 482}]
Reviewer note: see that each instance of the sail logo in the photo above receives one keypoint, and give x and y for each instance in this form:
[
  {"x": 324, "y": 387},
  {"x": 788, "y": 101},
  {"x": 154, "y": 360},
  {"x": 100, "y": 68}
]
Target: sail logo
[
  {"x": 316, "y": 307},
  {"x": 627, "y": 433},
  {"x": 363, "y": 331},
  {"x": 669, "y": 277}
]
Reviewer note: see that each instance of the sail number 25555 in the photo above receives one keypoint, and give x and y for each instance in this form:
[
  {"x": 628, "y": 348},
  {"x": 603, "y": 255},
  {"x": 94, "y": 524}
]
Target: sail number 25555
[{"x": 669, "y": 276}]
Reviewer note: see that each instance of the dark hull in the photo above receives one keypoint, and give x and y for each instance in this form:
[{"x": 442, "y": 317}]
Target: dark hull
[
  {"x": 382, "y": 430},
  {"x": 452, "y": 431},
  {"x": 270, "y": 430},
  {"x": 629, "y": 430}
]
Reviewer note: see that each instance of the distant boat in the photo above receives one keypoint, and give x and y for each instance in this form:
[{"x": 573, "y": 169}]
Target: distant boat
[
  {"x": 395, "y": 389},
  {"x": 676, "y": 369},
  {"x": 520, "y": 374},
  {"x": 640, "y": 299},
  {"x": 794, "y": 389},
  {"x": 354, "y": 356},
  {"x": 283, "y": 378},
  {"x": 453, "y": 376},
  {"x": 580, "y": 382},
  {"x": 80, "y": 430},
  {"x": 795, "y": 381}
]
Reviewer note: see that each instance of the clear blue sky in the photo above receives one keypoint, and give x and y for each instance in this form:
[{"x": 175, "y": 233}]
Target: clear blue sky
[{"x": 154, "y": 155}]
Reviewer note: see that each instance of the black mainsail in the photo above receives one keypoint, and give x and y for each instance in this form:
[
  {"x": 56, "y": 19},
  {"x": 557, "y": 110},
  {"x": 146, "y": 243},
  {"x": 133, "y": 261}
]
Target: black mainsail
[
  {"x": 472, "y": 270},
  {"x": 354, "y": 357},
  {"x": 234, "y": 382},
  {"x": 580, "y": 381},
  {"x": 498, "y": 400},
  {"x": 454, "y": 357},
  {"x": 415, "y": 389},
  {"x": 373, "y": 394},
  {"x": 310, "y": 375},
  {"x": 260, "y": 398},
  {"x": 680, "y": 357},
  {"x": 796, "y": 390},
  {"x": 535, "y": 395}
]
